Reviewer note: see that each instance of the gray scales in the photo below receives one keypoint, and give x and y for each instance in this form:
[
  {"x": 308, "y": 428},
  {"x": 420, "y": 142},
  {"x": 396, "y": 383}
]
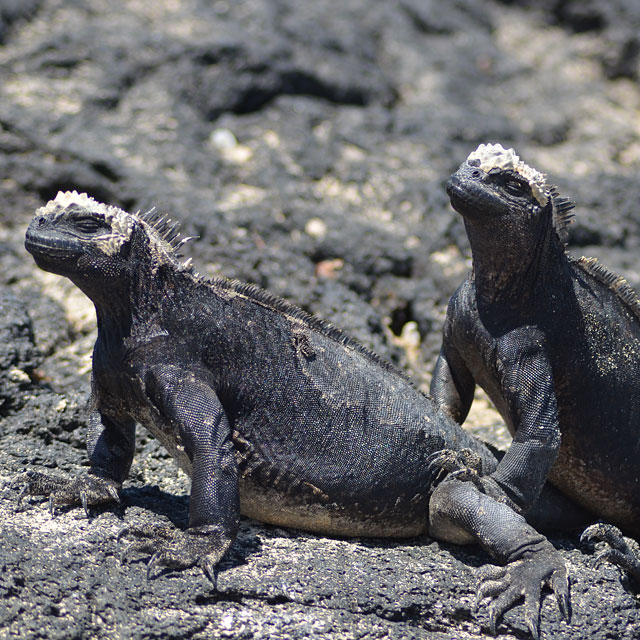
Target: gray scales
[
  {"x": 555, "y": 343},
  {"x": 273, "y": 413}
]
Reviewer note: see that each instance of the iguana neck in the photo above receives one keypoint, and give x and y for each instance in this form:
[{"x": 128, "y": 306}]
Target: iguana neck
[
  {"x": 133, "y": 303},
  {"x": 512, "y": 272},
  {"x": 114, "y": 320}
]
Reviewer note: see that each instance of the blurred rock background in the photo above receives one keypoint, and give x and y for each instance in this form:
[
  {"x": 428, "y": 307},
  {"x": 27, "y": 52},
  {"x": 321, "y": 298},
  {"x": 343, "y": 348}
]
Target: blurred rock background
[{"x": 307, "y": 145}]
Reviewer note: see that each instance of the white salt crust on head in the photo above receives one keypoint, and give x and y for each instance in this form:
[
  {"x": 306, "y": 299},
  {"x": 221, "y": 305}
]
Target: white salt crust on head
[
  {"x": 495, "y": 156},
  {"x": 120, "y": 221},
  {"x": 162, "y": 233}
]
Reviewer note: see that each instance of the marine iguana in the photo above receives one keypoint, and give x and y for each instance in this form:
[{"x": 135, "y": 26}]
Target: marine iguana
[
  {"x": 273, "y": 413},
  {"x": 555, "y": 343}
]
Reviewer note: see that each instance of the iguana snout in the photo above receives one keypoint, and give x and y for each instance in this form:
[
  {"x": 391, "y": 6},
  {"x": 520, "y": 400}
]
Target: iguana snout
[
  {"x": 465, "y": 189},
  {"x": 50, "y": 248}
]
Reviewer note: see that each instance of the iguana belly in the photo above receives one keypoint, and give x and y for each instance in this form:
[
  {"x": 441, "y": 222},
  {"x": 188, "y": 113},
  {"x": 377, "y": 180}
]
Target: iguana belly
[
  {"x": 307, "y": 507},
  {"x": 601, "y": 485}
]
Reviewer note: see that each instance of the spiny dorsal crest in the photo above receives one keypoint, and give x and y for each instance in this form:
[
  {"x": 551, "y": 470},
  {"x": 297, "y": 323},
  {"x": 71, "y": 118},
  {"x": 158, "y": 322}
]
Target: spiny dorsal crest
[
  {"x": 611, "y": 279},
  {"x": 495, "y": 156},
  {"x": 164, "y": 232},
  {"x": 562, "y": 214}
]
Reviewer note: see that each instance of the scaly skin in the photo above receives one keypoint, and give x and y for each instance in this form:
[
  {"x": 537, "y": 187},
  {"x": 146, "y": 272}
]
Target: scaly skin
[
  {"x": 273, "y": 413},
  {"x": 554, "y": 341}
]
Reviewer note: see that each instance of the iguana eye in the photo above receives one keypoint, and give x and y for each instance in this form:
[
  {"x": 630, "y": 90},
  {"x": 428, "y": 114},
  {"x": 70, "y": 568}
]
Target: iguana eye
[
  {"x": 515, "y": 187},
  {"x": 88, "y": 225}
]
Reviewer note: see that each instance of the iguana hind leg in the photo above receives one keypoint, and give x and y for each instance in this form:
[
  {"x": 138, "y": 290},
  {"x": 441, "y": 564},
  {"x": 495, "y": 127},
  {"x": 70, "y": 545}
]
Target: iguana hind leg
[{"x": 460, "y": 512}]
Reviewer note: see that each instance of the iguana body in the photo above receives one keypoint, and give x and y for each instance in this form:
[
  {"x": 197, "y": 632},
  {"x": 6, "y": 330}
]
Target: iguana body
[
  {"x": 554, "y": 341},
  {"x": 292, "y": 410},
  {"x": 271, "y": 412}
]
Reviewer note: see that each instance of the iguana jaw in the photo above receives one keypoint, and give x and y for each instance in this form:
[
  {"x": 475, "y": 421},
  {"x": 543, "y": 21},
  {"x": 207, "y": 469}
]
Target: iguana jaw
[
  {"x": 51, "y": 251},
  {"x": 87, "y": 243}
]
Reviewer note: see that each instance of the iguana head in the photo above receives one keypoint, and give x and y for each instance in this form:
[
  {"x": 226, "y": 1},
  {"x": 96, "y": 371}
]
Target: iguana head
[
  {"x": 494, "y": 188},
  {"x": 99, "y": 247}
]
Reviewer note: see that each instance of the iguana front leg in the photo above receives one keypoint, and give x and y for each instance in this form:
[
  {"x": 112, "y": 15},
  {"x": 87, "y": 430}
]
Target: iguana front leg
[
  {"x": 526, "y": 384},
  {"x": 110, "y": 445},
  {"x": 194, "y": 416},
  {"x": 489, "y": 509},
  {"x": 452, "y": 385}
]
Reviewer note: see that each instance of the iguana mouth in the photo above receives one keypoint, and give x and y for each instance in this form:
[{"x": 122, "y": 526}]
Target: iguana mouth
[
  {"x": 453, "y": 187},
  {"x": 45, "y": 246},
  {"x": 458, "y": 194}
]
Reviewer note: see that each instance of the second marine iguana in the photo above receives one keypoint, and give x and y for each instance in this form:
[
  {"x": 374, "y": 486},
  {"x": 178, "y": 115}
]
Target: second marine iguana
[
  {"x": 555, "y": 343},
  {"x": 273, "y": 413}
]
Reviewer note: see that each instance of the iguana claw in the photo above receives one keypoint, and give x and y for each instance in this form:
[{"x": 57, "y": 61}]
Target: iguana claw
[
  {"x": 210, "y": 570},
  {"x": 154, "y": 561},
  {"x": 85, "y": 502},
  {"x": 86, "y": 490},
  {"x": 624, "y": 552},
  {"x": 525, "y": 578}
]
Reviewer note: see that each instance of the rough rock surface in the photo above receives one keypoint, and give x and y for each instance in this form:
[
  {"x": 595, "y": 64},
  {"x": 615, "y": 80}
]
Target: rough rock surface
[{"x": 307, "y": 144}]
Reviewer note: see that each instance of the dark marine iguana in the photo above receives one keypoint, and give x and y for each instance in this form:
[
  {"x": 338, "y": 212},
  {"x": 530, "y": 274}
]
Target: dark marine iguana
[
  {"x": 273, "y": 413},
  {"x": 555, "y": 343}
]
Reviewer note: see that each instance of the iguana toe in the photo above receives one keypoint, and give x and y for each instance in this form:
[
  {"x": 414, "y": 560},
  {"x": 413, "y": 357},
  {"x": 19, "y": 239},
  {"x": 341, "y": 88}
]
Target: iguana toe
[
  {"x": 85, "y": 490},
  {"x": 604, "y": 532},
  {"x": 525, "y": 579},
  {"x": 210, "y": 569},
  {"x": 453, "y": 460},
  {"x": 462, "y": 465},
  {"x": 624, "y": 552}
]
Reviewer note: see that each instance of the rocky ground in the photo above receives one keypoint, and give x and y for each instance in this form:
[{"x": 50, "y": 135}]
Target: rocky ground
[{"x": 307, "y": 145}]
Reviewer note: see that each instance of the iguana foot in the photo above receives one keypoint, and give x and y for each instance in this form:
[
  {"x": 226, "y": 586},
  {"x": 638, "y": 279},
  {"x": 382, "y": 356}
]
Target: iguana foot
[
  {"x": 85, "y": 490},
  {"x": 466, "y": 466},
  {"x": 625, "y": 552},
  {"x": 525, "y": 578},
  {"x": 176, "y": 549},
  {"x": 459, "y": 465}
]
